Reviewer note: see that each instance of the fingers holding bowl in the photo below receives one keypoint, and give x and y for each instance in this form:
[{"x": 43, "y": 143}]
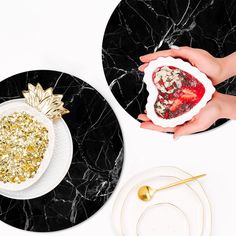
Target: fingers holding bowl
[{"x": 149, "y": 125}]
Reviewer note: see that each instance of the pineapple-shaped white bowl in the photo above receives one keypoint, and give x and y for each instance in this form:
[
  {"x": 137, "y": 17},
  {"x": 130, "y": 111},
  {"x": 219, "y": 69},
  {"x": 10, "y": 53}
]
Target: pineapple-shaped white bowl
[{"x": 27, "y": 136}]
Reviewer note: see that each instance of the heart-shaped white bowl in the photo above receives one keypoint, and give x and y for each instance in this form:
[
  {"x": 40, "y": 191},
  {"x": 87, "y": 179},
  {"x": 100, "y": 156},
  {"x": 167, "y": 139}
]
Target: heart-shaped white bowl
[
  {"x": 19, "y": 105},
  {"x": 153, "y": 92}
]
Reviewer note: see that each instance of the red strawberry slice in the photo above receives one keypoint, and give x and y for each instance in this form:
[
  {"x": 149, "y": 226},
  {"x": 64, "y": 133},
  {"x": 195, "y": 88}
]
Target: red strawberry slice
[
  {"x": 188, "y": 94},
  {"x": 175, "y": 105}
]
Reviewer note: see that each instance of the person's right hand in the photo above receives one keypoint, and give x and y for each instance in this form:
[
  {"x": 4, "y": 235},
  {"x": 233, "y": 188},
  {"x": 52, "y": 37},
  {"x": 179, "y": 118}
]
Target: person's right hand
[
  {"x": 208, "y": 115},
  {"x": 204, "y": 61}
]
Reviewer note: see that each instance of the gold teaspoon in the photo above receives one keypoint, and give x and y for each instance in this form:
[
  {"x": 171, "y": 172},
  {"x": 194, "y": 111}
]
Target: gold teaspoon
[{"x": 145, "y": 193}]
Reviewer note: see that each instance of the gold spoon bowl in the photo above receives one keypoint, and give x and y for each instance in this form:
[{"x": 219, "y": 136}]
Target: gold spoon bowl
[{"x": 146, "y": 193}]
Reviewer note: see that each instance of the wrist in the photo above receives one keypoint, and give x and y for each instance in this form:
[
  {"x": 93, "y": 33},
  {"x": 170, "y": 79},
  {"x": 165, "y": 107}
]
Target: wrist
[
  {"x": 224, "y": 69},
  {"x": 227, "y": 65},
  {"x": 226, "y": 104}
]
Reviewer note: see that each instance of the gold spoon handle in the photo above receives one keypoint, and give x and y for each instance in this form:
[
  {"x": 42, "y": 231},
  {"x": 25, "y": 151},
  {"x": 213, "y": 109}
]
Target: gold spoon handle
[{"x": 180, "y": 182}]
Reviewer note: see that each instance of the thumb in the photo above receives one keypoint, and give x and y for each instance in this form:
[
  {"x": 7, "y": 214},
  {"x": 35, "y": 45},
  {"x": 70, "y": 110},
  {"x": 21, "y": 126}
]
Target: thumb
[
  {"x": 190, "y": 127},
  {"x": 143, "y": 117}
]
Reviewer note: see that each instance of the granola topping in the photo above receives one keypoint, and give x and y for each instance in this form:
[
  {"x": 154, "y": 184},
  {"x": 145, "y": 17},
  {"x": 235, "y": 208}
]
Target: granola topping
[{"x": 23, "y": 143}]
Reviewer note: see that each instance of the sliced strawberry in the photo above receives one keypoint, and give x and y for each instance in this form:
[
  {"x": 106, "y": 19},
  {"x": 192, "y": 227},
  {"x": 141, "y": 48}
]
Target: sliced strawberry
[
  {"x": 188, "y": 94},
  {"x": 200, "y": 90},
  {"x": 175, "y": 105}
]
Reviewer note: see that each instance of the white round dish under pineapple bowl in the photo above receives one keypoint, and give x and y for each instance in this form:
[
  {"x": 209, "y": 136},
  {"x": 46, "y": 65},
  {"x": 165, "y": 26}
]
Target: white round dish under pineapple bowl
[
  {"x": 57, "y": 165},
  {"x": 153, "y": 92},
  {"x": 19, "y": 106},
  {"x": 188, "y": 203}
]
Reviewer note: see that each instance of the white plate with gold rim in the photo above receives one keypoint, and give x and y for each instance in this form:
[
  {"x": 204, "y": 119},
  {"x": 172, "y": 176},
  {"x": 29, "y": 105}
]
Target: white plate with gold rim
[
  {"x": 165, "y": 219},
  {"x": 190, "y": 199}
]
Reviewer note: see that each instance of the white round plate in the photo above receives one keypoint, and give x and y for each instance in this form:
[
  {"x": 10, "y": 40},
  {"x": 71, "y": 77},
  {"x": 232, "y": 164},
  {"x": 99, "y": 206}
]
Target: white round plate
[
  {"x": 163, "y": 219},
  {"x": 57, "y": 168},
  {"x": 182, "y": 197},
  {"x": 191, "y": 199},
  {"x": 19, "y": 105},
  {"x": 153, "y": 92}
]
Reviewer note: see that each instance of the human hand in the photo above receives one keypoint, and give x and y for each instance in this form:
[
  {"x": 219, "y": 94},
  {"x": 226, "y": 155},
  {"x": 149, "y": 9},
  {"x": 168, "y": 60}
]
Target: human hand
[
  {"x": 202, "y": 121},
  {"x": 204, "y": 61}
]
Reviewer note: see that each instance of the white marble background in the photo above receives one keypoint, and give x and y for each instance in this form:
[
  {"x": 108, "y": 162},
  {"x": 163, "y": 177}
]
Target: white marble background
[{"x": 67, "y": 36}]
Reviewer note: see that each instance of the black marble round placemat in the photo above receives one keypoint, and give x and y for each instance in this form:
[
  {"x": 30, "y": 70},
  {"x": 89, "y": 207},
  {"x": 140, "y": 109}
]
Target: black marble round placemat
[
  {"x": 97, "y": 158},
  {"x": 138, "y": 27}
]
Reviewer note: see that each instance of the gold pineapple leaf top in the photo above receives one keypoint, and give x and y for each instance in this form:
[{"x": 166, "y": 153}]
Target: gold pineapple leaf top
[{"x": 45, "y": 101}]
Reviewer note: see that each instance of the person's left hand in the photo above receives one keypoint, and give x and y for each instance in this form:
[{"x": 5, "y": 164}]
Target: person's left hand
[{"x": 202, "y": 121}]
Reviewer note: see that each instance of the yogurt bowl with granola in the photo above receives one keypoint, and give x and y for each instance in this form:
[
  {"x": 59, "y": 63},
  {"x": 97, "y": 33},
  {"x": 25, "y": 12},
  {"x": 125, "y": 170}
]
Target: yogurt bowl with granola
[{"x": 177, "y": 91}]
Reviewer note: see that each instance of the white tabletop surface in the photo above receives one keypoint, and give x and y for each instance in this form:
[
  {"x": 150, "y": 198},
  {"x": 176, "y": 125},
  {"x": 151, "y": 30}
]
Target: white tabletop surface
[{"x": 66, "y": 35}]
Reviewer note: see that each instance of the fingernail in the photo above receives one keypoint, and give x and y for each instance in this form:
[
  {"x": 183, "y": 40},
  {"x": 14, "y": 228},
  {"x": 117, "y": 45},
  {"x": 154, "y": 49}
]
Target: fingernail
[
  {"x": 141, "y": 58},
  {"x": 138, "y": 119},
  {"x": 142, "y": 127},
  {"x": 174, "y": 47},
  {"x": 138, "y": 116},
  {"x": 176, "y": 138}
]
